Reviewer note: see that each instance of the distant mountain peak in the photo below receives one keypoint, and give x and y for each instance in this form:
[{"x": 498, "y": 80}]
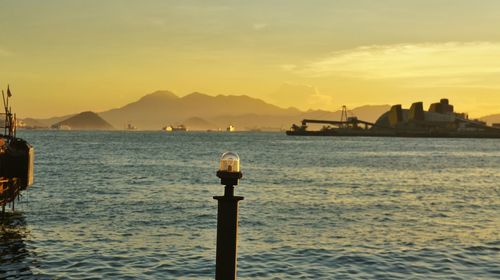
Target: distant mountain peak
[
  {"x": 196, "y": 95},
  {"x": 197, "y": 123},
  {"x": 236, "y": 96},
  {"x": 159, "y": 94}
]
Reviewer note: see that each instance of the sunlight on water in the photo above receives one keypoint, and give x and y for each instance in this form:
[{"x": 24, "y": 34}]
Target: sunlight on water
[{"x": 132, "y": 205}]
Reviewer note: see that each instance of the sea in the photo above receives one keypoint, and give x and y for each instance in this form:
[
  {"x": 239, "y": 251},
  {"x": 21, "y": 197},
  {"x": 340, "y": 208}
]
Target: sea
[{"x": 139, "y": 205}]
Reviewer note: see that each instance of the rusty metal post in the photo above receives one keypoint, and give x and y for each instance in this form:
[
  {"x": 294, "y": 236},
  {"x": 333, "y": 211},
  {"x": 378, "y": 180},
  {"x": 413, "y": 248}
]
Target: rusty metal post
[{"x": 227, "y": 227}]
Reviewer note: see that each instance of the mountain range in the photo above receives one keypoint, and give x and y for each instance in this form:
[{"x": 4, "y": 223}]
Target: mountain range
[
  {"x": 491, "y": 119},
  {"x": 200, "y": 111}
]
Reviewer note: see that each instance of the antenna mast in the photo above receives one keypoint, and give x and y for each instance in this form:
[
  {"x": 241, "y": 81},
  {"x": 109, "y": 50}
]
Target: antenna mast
[
  {"x": 343, "y": 117},
  {"x": 9, "y": 122}
]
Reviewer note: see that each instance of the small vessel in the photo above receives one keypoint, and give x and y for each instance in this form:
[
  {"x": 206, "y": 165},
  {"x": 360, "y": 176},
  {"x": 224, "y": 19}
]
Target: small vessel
[
  {"x": 62, "y": 127},
  {"x": 16, "y": 158},
  {"x": 230, "y": 128},
  {"x": 131, "y": 127},
  {"x": 171, "y": 128}
]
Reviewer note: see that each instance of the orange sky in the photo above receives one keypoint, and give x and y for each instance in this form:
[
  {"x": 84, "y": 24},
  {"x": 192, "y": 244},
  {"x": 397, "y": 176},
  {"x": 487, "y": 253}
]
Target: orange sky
[{"x": 63, "y": 57}]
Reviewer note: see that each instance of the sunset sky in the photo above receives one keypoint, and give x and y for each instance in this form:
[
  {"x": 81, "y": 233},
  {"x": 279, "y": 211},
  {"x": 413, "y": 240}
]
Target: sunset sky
[{"x": 68, "y": 56}]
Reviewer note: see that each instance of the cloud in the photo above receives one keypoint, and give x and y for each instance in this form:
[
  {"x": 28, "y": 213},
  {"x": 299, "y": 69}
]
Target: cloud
[
  {"x": 259, "y": 26},
  {"x": 301, "y": 96},
  {"x": 4, "y": 53},
  {"x": 441, "y": 64},
  {"x": 288, "y": 67},
  {"x": 207, "y": 8},
  {"x": 156, "y": 21}
]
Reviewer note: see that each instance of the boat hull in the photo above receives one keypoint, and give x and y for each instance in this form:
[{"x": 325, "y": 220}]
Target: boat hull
[{"x": 16, "y": 168}]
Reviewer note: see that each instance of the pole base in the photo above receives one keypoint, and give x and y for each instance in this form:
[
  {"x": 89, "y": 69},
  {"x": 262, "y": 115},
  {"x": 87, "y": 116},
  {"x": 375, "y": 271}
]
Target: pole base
[{"x": 229, "y": 178}]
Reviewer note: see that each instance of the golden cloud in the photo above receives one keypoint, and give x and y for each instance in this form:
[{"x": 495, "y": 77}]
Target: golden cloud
[
  {"x": 442, "y": 64},
  {"x": 301, "y": 96},
  {"x": 4, "y": 52}
]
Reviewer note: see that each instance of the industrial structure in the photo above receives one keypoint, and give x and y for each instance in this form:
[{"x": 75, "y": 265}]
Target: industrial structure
[{"x": 440, "y": 120}]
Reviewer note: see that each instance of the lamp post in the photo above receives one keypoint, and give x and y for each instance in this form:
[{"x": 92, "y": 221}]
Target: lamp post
[{"x": 227, "y": 217}]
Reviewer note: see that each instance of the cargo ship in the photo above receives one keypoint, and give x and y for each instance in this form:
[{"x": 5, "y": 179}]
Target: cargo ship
[
  {"x": 16, "y": 158},
  {"x": 171, "y": 128},
  {"x": 440, "y": 121}
]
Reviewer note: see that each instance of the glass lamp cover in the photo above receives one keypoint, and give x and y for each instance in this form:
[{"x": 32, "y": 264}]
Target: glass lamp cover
[{"x": 230, "y": 162}]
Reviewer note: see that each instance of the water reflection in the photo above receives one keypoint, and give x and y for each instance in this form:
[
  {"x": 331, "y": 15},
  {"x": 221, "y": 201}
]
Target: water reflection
[
  {"x": 14, "y": 254},
  {"x": 404, "y": 208}
]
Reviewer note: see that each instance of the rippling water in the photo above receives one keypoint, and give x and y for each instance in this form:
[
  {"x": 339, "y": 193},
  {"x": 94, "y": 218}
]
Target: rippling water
[{"x": 133, "y": 205}]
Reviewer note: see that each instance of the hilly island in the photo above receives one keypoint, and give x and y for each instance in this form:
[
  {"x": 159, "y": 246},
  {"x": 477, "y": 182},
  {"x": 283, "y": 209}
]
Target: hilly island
[{"x": 84, "y": 121}]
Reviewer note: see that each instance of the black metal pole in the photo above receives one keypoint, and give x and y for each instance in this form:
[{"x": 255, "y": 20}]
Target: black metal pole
[{"x": 227, "y": 228}]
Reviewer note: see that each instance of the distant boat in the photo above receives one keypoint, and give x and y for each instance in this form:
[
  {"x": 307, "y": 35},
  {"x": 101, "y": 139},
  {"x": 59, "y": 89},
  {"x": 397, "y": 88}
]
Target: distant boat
[
  {"x": 63, "y": 127},
  {"x": 230, "y": 128},
  {"x": 170, "y": 128},
  {"x": 131, "y": 127}
]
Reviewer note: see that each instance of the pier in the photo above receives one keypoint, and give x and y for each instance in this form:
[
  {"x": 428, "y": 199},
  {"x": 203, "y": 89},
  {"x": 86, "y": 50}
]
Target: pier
[{"x": 440, "y": 121}]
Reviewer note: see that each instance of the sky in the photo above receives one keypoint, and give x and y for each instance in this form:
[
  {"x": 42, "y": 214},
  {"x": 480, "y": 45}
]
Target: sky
[{"x": 62, "y": 57}]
